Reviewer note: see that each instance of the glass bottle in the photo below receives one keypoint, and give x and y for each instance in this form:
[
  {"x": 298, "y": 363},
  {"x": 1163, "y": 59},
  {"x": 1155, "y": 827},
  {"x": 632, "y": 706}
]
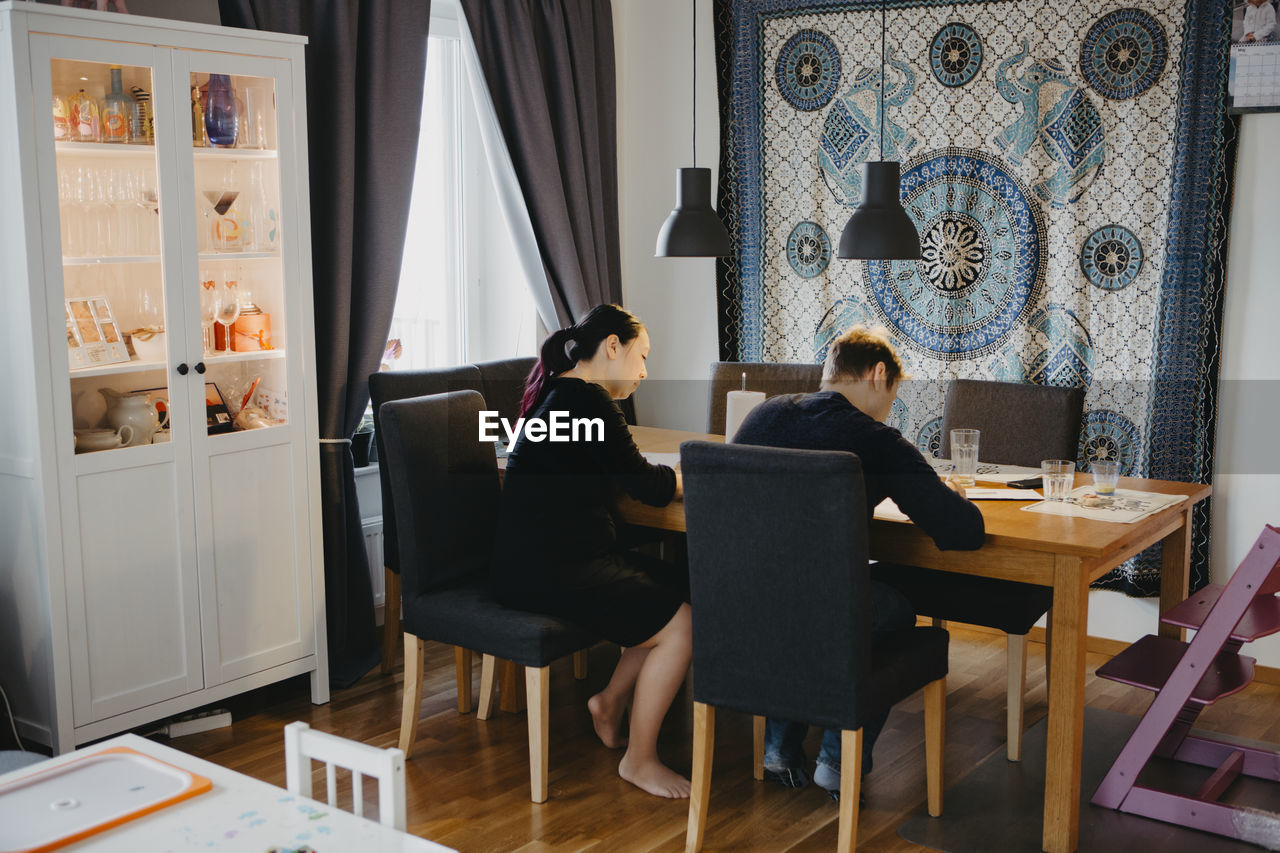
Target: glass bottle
[
  {"x": 264, "y": 222},
  {"x": 61, "y": 119},
  {"x": 199, "y": 138},
  {"x": 86, "y": 122},
  {"x": 144, "y": 128},
  {"x": 117, "y": 111},
  {"x": 221, "y": 115}
]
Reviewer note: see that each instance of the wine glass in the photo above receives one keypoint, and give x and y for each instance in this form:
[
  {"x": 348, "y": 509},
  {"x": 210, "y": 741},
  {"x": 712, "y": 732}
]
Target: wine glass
[
  {"x": 228, "y": 309},
  {"x": 208, "y": 309}
]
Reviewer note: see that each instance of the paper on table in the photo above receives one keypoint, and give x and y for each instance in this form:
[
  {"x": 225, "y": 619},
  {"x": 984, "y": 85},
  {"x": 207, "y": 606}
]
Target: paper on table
[
  {"x": 671, "y": 460},
  {"x": 977, "y": 493},
  {"x": 888, "y": 510},
  {"x": 988, "y": 472},
  {"x": 1126, "y": 507}
]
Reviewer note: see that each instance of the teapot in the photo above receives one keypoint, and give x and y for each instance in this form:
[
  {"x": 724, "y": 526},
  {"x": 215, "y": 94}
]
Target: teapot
[
  {"x": 89, "y": 440},
  {"x": 137, "y": 411}
]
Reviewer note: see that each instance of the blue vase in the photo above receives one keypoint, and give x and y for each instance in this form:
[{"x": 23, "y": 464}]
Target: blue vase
[{"x": 221, "y": 117}]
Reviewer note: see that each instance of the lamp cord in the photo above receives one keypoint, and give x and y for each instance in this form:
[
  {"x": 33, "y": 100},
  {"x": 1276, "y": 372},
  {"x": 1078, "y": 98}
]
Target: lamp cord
[
  {"x": 884, "y": 75},
  {"x": 695, "y": 84}
]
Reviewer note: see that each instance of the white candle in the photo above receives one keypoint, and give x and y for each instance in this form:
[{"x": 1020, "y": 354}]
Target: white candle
[{"x": 737, "y": 405}]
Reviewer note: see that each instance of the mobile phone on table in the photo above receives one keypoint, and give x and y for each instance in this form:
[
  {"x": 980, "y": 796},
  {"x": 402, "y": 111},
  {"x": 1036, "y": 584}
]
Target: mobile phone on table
[{"x": 1028, "y": 483}]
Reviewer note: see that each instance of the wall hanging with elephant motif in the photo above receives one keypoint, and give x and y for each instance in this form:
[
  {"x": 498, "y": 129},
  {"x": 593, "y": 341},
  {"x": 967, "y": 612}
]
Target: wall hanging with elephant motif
[{"x": 1067, "y": 166}]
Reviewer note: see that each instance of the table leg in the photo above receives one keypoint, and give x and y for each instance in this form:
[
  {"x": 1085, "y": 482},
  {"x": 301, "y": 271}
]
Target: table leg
[
  {"x": 1066, "y": 705},
  {"x": 1175, "y": 573}
]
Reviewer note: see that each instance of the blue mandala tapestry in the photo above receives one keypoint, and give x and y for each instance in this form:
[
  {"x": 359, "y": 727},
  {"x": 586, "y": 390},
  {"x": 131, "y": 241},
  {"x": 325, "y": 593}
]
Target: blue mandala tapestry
[{"x": 1067, "y": 166}]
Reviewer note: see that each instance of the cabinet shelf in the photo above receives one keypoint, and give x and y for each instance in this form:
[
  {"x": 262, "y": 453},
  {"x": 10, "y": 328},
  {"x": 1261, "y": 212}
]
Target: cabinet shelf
[
  {"x": 105, "y": 149},
  {"x": 234, "y": 154},
  {"x": 237, "y": 256},
  {"x": 137, "y": 366},
  {"x": 111, "y": 259}
]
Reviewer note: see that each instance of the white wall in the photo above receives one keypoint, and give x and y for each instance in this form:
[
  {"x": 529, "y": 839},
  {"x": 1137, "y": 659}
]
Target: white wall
[{"x": 676, "y": 298}]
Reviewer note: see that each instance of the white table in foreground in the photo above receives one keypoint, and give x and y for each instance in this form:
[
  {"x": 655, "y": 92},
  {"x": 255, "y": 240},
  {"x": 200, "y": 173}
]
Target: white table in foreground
[{"x": 239, "y": 813}]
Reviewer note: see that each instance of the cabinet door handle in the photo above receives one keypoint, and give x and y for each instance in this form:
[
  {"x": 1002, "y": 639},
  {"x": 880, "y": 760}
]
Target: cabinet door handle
[
  {"x": 182, "y": 369},
  {"x": 200, "y": 367}
]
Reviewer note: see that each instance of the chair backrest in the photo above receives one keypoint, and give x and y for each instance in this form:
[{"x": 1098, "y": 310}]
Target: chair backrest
[
  {"x": 502, "y": 384},
  {"x": 1021, "y": 424},
  {"x": 778, "y": 574},
  {"x": 302, "y": 744},
  {"x": 401, "y": 385},
  {"x": 771, "y": 378},
  {"x": 444, "y": 485}
]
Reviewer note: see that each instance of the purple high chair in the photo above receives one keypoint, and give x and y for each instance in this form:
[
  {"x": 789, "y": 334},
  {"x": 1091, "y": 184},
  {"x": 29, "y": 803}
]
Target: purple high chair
[{"x": 1187, "y": 677}]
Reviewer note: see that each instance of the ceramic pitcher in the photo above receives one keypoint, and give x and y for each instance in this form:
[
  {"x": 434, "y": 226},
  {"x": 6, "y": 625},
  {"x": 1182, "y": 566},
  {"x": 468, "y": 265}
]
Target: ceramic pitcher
[{"x": 134, "y": 410}]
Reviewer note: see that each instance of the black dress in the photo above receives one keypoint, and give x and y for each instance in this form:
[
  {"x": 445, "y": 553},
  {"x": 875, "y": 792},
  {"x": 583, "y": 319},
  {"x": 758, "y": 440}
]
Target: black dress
[{"x": 557, "y": 550}]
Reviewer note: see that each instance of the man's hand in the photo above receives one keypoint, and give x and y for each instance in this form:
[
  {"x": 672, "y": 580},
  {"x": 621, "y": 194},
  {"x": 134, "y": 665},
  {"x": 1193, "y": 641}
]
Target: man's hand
[
  {"x": 954, "y": 486},
  {"x": 1248, "y": 37},
  {"x": 679, "y": 485}
]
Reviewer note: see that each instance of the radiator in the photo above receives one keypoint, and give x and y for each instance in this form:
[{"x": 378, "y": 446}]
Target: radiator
[{"x": 373, "y": 550}]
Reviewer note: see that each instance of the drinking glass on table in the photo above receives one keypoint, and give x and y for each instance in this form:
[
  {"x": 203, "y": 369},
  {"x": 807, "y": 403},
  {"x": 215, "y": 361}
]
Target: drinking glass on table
[
  {"x": 1057, "y": 475},
  {"x": 1106, "y": 474},
  {"x": 964, "y": 455}
]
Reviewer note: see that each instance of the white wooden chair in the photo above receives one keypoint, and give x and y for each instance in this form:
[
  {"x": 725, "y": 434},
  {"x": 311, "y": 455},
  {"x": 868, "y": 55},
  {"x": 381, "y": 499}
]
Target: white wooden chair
[{"x": 301, "y": 744}]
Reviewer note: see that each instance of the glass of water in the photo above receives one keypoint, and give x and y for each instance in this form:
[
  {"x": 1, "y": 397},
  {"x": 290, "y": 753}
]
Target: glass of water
[
  {"x": 964, "y": 454},
  {"x": 1058, "y": 476}
]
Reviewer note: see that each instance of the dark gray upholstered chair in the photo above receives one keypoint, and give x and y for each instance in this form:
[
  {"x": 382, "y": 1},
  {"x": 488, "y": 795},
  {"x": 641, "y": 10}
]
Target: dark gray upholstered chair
[
  {"x": 769, "y": 377},
  {"x": 781, "y": 612},
  {"x": 1020, "y": 425},
  {"x": 498, "y": 382},
  {"x": 444, "y": 485}
]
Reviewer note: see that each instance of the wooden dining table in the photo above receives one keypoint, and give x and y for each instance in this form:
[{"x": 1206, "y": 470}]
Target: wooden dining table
[{"x": 1063, "y": 552}]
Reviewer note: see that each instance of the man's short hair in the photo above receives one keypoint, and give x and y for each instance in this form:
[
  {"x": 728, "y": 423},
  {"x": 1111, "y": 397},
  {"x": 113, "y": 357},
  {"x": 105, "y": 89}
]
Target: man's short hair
[{"x": 857, "y": 351}]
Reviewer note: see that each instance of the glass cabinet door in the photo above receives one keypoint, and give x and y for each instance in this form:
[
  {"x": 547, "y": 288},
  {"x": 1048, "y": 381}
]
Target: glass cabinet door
[
  {"x": 114, "y": 287},
  {"x": 241, "y": 283}
]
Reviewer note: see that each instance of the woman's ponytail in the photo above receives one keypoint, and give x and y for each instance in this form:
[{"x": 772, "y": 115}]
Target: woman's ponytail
[{"x": 566, "y": 347}]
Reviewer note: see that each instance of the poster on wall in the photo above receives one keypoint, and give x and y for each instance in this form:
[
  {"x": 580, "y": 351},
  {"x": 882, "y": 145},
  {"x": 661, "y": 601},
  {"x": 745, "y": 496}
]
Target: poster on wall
[{"x": 1253, "y": 82}]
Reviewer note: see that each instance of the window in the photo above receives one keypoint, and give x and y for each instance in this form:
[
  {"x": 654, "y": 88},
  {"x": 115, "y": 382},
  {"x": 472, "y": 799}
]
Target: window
[{"x": 462, "y": 295}]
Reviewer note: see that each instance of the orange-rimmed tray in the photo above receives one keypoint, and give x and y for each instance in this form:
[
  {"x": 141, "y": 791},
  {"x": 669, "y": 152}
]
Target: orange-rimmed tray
[{"x": 51, "y": 808}]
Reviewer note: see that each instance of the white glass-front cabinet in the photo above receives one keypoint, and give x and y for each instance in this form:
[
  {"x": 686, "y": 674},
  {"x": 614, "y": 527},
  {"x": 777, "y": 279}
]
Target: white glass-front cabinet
[{"x": 160, "y": 541}]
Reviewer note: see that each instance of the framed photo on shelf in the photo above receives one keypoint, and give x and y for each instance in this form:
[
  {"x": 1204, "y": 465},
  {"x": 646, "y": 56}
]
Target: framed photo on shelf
[
  {"x": 217, "y": 417},
  {"x": 92, "y": 335}
]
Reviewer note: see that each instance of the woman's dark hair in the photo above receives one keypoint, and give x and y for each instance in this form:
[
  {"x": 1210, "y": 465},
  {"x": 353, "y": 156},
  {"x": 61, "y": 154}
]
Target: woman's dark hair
[{"x": 565, "y": 348}]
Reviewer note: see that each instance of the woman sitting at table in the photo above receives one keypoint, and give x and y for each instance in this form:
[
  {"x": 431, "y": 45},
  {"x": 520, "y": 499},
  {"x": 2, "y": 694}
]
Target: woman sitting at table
[{"x": 557, "y": 550}]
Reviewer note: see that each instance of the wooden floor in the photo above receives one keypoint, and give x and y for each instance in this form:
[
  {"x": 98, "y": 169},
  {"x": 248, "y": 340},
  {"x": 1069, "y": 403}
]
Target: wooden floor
[{"x": 468, "y": 781}]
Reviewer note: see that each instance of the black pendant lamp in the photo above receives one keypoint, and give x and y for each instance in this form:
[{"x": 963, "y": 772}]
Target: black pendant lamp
[
  {"x": 880, "y": 228},
  {"x": 693, "y": 230}
]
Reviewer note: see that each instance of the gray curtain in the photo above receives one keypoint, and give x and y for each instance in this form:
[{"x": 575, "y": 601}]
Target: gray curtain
[
  {"x": 366, "y": 60},
  {"x": 549, "y": 66}
]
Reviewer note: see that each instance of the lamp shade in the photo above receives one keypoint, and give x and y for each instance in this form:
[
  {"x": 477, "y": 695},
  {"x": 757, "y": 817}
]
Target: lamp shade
[
  {"x": 693, "y": 230},
  {"x": 880, "y": 228}
]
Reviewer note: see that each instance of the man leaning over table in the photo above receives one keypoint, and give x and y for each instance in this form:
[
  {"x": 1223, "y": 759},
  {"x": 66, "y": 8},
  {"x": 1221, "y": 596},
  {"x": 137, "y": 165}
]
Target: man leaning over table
[{"x": 859, "y": 383}]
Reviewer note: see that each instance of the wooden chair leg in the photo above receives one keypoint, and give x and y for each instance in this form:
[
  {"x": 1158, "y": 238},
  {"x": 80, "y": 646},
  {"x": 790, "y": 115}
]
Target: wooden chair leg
[
  {"x": 704, "y": 741},
  {"x": 935, "y": 736},
  {"x": 580, "y": 664},
  {"x": 462, "y": 667},
  {"x": 1016, "y": 653},
  {"x": 510, "y": 687},
  {"x": 413, "y": 649},
  {"x": 538, "y": 690},
  {"x": 850, "y": 788},
  {"x": 757, "y": 748},
  {"x": 488, "y": 686},
  {"x": 390, "y": 618}
]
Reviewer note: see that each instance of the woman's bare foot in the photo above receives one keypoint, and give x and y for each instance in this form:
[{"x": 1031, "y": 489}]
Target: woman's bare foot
[
  {"x": 606, "y": 716},
  {"x": 654, "y": 776}
]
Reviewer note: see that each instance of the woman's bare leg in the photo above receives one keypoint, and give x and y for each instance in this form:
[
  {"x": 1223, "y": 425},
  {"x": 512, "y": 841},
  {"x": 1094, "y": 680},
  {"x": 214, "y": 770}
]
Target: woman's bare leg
[
  {"x": 608, "y": 706},
  {"x": 661, "y": 674}
]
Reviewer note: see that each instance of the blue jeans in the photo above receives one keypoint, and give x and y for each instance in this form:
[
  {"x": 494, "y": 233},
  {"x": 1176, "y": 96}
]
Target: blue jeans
[{"x": 783, "y": 740}]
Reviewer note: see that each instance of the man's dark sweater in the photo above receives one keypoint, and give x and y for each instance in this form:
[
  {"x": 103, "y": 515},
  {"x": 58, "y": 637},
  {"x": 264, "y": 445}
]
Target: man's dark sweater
[{"x": 892, "y": 467}]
